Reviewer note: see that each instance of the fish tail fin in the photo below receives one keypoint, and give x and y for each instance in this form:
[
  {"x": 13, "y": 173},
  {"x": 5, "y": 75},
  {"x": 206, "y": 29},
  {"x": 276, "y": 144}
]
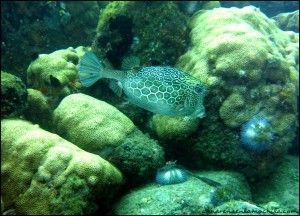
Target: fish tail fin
[{"x": 91, "y": 69}]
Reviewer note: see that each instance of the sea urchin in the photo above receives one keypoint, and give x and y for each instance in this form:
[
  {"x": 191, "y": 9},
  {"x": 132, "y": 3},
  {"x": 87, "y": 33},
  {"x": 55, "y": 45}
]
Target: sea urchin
[{"x": 257, "y": 134}]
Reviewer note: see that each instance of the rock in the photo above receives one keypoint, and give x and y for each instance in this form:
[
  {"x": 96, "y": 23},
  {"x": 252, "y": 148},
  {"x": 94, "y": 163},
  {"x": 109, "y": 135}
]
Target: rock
[
  {"x": 190, "y": 197},
  {"x": 41, "y": 173},
  {"x": 282, "y": 187},
  {"x": 13, "y": 95},
  {"x": 134, "y": 28},
  {"x": 288, "y": 21},
  {"x": 240, "y": 207}
]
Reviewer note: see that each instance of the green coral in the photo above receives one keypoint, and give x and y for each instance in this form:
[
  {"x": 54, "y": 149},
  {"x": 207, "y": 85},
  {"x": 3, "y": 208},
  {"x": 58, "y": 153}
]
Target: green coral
[
  {"x": 40, "y": 170},
  {"x": 136, "y": 28},
  {"x": 56, "y": 74},
  {"x": 91, "y": 124},
  {"x": 250, "y": 67},
  {"x": 38, "y": 110},
  {"x": 73, "y": 198},
  {"x": 138, "y": 157},
  {"x": 13, "y": 95},
  {"x": 166, "y": 127}
]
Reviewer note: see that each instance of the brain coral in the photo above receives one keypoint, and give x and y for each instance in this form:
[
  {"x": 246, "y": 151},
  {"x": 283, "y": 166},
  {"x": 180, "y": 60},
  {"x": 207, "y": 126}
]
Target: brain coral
[{"x": 251, "y": 67}]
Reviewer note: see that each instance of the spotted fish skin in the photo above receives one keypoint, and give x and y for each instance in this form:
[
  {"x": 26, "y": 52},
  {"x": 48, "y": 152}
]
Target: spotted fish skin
[
  {"x": 159, "y": 89},
  {"x": 165, "y": 90}
]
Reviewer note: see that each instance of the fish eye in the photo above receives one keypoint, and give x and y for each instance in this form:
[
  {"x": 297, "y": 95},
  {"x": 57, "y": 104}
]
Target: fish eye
[{"x": 198, "y": 89}]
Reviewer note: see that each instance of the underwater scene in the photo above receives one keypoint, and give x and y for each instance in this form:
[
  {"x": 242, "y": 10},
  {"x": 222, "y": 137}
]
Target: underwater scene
[{"x": 149, "y": 107}]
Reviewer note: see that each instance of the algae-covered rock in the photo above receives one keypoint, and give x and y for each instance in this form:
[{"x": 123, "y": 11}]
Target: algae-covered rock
[
  {"x": 156, "y": 32},
  {"x": 190, "y": 197},
  {"x": 91, "y": 124},
  {"x": 190, "y": 7},
  {"x": 250, "y": 67},
  {"x": 281, "y": 187},
  {"x": 38, "y": 110},
  {"x": 56, "y": 74},
  {"x": 41, "y": 173},
  {"x": 288, "y": 21},
  {"x": 13, "y": 95},
  {"x": 138, "y": 157},
  {"x": 166, "y": 127},
  {"x": 31, "y": 28}
]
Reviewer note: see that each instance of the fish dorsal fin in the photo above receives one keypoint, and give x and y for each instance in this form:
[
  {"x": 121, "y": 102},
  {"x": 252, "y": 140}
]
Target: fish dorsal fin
[
  {"x": 116, "y": 87},
  {"x": 130, "y": 62}
]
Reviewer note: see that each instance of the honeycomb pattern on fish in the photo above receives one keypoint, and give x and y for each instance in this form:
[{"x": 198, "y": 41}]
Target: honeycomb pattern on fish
[{"x": 164, "y": 86}]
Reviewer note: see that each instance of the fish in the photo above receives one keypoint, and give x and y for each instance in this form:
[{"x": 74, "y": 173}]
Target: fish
[{"x": 159, "y": 89}]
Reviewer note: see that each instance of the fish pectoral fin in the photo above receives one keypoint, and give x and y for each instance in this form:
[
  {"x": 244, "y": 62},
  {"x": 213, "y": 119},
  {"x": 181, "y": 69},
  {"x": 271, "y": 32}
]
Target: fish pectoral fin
[{"x": 116, "y": 87}]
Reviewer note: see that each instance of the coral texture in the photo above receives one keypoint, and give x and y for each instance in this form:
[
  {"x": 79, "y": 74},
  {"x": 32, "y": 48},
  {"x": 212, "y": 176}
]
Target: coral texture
[
  {"x": 288, "y": 21},
  {"x": 55, "y": 74},
  {"x": 169, "y": 128},
  {"x": 250, "y": 67},
  {"x": 138, "y": 157},
  {"x": 41, "y": 173},
  {"x": 91, "y": 124},
  {"x": 13, "y": 95},
  {"x": 38, "y": 110}
]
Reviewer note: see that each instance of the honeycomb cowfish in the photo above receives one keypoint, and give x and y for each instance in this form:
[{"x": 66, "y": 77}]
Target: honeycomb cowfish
[{"x": 159, "y": 89}]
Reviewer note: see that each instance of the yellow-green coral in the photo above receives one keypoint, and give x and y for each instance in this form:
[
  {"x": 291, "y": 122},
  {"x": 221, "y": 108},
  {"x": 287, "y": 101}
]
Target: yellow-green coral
[
  {"x": 167, "y": 127},
  {"x": 91, "y": 124},
  {"x": 250, "y": 67},
  {"x": 55, "y": 74},
  {"x": 36, "y": 163},
  {"x": 38, "y": 110}
]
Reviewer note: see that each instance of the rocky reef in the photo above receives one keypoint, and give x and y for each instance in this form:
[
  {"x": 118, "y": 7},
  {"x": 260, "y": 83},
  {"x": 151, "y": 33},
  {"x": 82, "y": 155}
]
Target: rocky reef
[
  {"x": 280, "y": 191},
  {"x": 250, "y": 67},
  {"x": 288, "y": 21},
  {"x": 66, "y": 149},
  {"x": 13, "y": 96},
  {"x": 190, "y": 197},
  {"x": 156, "y": 32},
  {"x": 42, "y": 27},
  {"x": 99, "y": 128}
]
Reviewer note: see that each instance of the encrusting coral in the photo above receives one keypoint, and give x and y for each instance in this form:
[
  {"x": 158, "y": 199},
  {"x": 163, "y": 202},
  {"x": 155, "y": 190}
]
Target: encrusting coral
[
  {"x": 56, "y": 74},
  {"x": 250, "y": 67},
  {"x": 91, "y": 124},
  {"x": 41, "y": 173}
]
